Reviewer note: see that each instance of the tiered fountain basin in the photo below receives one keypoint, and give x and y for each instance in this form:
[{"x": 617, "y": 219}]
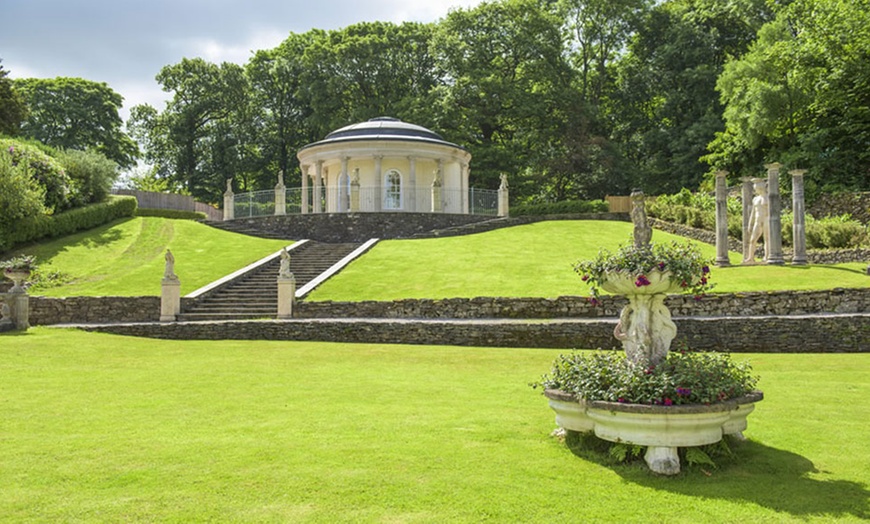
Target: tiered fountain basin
[{"x": 662, "y": 429}]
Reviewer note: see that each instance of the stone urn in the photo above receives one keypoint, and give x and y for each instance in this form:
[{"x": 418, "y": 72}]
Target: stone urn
[
  {"x": 663, "y": 429},
  {"x": 18, "y": 277},
  {"x": 645, "y": 327}
]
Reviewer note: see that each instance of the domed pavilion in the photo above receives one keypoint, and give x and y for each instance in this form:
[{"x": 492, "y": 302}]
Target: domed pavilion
[{"x": 385, "y": 165}]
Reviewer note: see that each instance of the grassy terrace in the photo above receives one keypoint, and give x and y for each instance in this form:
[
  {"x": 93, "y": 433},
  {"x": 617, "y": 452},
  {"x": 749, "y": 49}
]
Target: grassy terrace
[
  {"x": 106, "y": 428},
  {"x": 535, "y": 260}
]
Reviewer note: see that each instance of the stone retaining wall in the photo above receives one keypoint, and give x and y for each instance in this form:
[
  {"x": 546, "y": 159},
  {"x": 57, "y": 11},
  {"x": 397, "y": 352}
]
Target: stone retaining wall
[
  {"x": 793, "y": 334},
  {"x": 79, "y": 310},
  {"x": 855, "y": 204}
]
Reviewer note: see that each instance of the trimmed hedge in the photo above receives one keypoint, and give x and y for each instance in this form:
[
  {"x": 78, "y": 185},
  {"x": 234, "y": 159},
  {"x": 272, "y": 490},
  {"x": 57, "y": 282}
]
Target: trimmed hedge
[
  {"x": 170, "y": 213},
  {"x": 561, "y": 208},
  {"x": 62, "y": 224}
]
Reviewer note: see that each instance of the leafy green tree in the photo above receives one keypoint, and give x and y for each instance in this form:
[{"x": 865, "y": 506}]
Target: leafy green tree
[
  {"x": 666, "y": 106},
  {"x": 195, "y": 140},
  {"x": 73, "y": 113},
  {"x": 504, "y": 81},
  {"x": 13, "y": 110},
  {"x": 800, "y": 95}
]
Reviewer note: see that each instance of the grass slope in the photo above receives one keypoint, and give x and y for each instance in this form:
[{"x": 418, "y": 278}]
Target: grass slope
[
  {"x": 126, "y": 258},
  {"x": 106, "y": 428},
  {"x": 536, "y": 260}
]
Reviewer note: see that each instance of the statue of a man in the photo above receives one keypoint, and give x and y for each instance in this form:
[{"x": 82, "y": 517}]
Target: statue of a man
[
  {"x": 229, "y": 185},
  {"x": 504, "y": 181},
  {"x": 759, "y": 224},
  {"x": 169, "y": 270},
  {"x": 642, "y": 229}
]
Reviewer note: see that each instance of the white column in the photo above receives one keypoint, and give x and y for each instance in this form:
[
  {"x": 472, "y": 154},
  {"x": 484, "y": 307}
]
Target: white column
[
  {"x": 304, "y": 204},
  {"x": 318, "y": 184},
  {"x": 722, "y": 219},
  {"x": 343, "y": 197},
  {"x": 354, "y": 192},
  {"x": 503, "y": 197},
  {"x": 464, "y": 172},
  {"x": 748, "y": 191},
  {"x": 775, "y": 220},
  {"x": 411, "y": 191},
  {"x": 379, "y": 183}
]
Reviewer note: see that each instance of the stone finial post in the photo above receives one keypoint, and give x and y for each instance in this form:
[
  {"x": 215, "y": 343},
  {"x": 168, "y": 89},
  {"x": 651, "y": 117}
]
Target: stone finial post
[
  {"x": 229, "y": 201},
  {"x": 503, "y": 196},
  {"x": 170, "y": 291},
  {"x": 774, "y": 256},
  {"x": 722, "y": 219},
  {"x": 799, "y": 230},
  {"x": 280, "y": 196},
  {"x": 354, "y": 192},
  {"x": 286, "y": 287},
  {"x": 747, "y": 214},
  {"x": 642, "y": 229}
]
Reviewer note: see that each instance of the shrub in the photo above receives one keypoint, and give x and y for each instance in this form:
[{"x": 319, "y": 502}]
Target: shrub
[
  {"x": 20, "y": 196},
  {"x": 683, "y": 378},
  {"x": 170, "y": 213},
  {"x": 45, "y": 170},
  {"x": 833, "y": 232},
  {"x": 48, "y": 226},
  {"x": 561, "y": 208},
  {"x": 91, "y": 174}
]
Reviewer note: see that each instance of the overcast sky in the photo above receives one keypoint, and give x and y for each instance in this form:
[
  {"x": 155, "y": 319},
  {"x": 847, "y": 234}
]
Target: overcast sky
[{"x": 125, "y": 43}]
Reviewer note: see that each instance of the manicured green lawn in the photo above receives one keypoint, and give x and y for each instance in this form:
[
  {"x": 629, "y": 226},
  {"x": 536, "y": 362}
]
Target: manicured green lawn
[
  {"x": 126, "y": 258},
  {"x": 106, "y": 428},
  {"x": 536, "y": 260}
]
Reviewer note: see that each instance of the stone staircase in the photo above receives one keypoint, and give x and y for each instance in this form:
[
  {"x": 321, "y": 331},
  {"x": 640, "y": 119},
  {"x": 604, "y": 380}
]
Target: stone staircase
[{"x": 255, "y": 294}]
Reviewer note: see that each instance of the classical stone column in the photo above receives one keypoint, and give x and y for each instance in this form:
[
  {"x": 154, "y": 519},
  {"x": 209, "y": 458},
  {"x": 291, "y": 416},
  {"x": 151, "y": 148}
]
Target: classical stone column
[
  {"x": 343, "y": 192},
  {"x": 170, "y": 291},
  {"x": 229, "y": 201},
  {"x": 318, "y": 185},
  {"x": 354, "y": 192},
  {"x": 747, "y": 212},
  {"x": 722, "y": 219},
  {"x": 775, "y": 218},
  {"x": 280, "y": 195},
  {"x": 379, "y": 183},
  {"x": 463, "y": 183},
  {"x": 304, "y": 203},
  {"x": 503, "y": 196},
  {"x": 799, "y": 230},
  {"x": 411, "y": 191}
]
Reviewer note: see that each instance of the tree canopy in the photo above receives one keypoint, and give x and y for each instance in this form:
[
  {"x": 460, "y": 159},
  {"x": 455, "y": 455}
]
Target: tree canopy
[
  {"x": 570, "y": 98},
  {"x": 75, "y": 113}
]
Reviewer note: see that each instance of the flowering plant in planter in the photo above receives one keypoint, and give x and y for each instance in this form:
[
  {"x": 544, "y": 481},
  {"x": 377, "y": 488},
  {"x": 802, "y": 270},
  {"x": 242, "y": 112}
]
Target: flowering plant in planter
[
  {"x": 685, "y": 265},
  {"x": 19, "y": 264},
  {"x": 684, "y": 377}
]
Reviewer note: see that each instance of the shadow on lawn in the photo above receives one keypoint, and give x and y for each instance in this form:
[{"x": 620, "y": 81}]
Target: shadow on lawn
[{"x": 766, "y": 476}]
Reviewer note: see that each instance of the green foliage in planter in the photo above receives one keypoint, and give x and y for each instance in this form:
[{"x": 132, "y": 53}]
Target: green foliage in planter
[
  {"x": 683, "y": 378},
  {"x": 20, "y": 263},
  {"x": 564, "y": 207},
  {"x": 687, "y": 266},
  {"x": 170, "y": 213}
]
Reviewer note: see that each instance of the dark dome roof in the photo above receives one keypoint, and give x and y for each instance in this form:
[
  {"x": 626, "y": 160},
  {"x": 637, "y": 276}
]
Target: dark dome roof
[{"x": 383, "y": 128}]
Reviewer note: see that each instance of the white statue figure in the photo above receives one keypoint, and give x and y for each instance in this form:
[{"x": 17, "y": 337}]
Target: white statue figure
[
  {"x": 504, "y": 181},
  {"x": 229, "y": 185},
  {"x": 280, "y": 177},
  {"x": 642, "y": 229},
  {"x": 284, "y": 271},
  {"x": 355, "y": 179},
  {"x": 169, "y": 270},
  {"x": 759, "y": 224}
]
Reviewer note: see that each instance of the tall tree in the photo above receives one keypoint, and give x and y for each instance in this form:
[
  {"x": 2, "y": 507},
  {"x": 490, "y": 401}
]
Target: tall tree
[
  {"x": 194, "y": 141},
  {"x": 801, "y": 96},
  {"x": 79, "y": 114},
  {"x": 666, "y": 107},
  {"x": 13, "y": 110},
  {"x": 504, "y": 81}
]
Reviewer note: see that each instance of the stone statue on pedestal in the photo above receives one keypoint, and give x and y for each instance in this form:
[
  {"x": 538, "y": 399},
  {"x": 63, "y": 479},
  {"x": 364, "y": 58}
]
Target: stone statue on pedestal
[{"x": 284, "y": 271}]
